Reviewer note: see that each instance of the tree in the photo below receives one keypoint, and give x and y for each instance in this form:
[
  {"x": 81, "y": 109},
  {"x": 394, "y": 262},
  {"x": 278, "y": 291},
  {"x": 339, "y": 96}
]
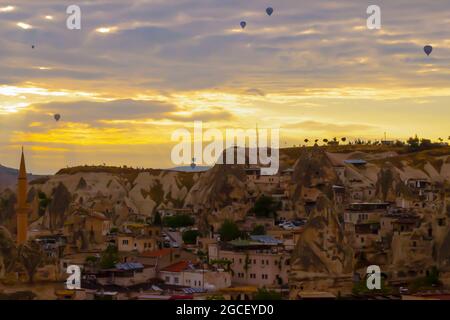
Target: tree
[
  {"x": 229, "y": 231},
  {"x": 31, "y": 257},
  {"x": 109, "y": 257},
  {"x": 92, "y": 262},
  {"x": 426, "y": 144},
  {"x": 157, "y": 221},
  {"x": 413, "y": 143},
  {"x": 259, "y": 230},
  {"x": 360, "y": 288},
  {"x": 222, "y": 263},
  {"x": 264, "y": 294},
  {"x": 265, "y": 207},
  {"x": 8, "y": 251},
  {"x": 43, "y": 203},
  {"x": 190, "y": 236},
  {"x": 179, "y": 221}
]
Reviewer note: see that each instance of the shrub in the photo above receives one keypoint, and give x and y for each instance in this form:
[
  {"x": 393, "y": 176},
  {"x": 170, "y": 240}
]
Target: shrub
[
  {"x": 190, "y": 236},
  {"x": 264, "y": 294},
  {"x": 229, "y": 231}
]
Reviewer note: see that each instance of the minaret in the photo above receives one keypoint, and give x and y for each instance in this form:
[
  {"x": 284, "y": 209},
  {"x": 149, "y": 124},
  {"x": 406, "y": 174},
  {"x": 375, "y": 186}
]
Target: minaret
[
  {"x": 22, "y": 207},
  {"x": 257, "y": 144}
]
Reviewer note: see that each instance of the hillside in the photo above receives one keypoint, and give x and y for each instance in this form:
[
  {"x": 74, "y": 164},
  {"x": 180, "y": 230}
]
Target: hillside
[
  {"x": 221, "y": 192},
  {"x": 8, "y": 177}
]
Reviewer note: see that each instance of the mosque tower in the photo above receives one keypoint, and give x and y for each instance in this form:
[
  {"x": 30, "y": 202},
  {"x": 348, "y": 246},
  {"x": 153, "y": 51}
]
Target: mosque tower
[{"x": 22, "y": 207}]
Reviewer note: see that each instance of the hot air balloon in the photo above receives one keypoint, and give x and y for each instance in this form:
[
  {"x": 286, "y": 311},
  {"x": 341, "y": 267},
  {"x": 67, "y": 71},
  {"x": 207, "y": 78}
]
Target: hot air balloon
[
  {"x": 269, "y": 11},
  {"x": 243, "y": 24},
  {"x": 428, "y": 50},
  {"x": 32, "y": 47},
  {"x": 57, "y": 117}
]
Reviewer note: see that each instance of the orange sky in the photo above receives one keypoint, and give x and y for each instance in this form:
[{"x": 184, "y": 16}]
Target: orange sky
[{"x": 138, "y": 71}]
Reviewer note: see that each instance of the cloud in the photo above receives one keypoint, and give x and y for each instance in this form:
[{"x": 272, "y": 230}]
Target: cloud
[
  {"x": 216, "y": 114},
  {"x": 91, "y": 112},
  {"x": 317, "y": 126},
  {"x": 254, "y": 91}
]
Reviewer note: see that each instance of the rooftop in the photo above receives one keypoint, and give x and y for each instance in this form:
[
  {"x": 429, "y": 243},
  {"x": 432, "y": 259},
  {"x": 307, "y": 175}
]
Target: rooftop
[
  {"x": 265, "y": 239},
  {"x": 177, "y": 267},
  {"x": 355, "y": 161},
  {"x": 129, "y": 266}
]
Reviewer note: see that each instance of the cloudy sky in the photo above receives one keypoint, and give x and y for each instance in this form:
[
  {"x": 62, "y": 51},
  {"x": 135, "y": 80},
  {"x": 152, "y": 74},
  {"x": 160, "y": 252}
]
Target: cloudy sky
[{"x": 139, "y": 69}]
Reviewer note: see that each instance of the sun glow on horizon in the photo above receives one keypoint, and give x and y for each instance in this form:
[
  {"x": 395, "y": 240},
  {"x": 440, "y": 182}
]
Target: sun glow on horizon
[{"x": 106, "y": 30}]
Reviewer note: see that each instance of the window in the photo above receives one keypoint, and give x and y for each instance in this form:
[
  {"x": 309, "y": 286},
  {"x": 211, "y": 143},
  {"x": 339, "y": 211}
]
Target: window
[
  {"x": 176, "y": 280},
  {"x": 262, "y": 262},
  {"x": 125, "y": 242},
  {"x": 167, "y": 279},
  {"x": 240, "y": 261}
]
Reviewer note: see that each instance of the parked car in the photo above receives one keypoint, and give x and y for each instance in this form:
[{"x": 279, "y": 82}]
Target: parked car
[{"x": 403, "y": 290}]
